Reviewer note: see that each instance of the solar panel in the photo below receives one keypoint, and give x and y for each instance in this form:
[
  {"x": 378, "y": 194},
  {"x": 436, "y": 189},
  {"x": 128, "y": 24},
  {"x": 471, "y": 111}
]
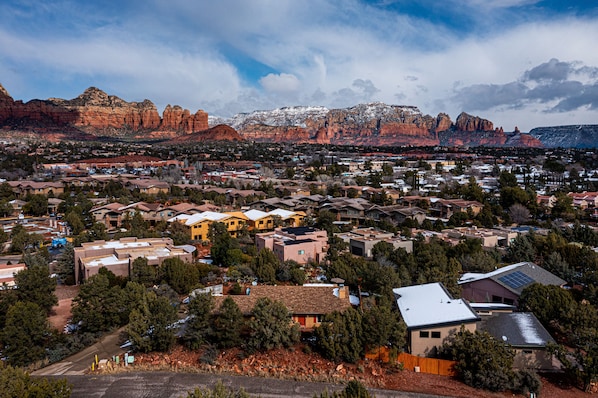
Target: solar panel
[{"x": 516, "y": 279}]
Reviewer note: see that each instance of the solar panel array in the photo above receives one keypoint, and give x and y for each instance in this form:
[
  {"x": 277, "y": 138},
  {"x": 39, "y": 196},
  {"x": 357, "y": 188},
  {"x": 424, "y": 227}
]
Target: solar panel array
[{"x": 516, "y": 279}]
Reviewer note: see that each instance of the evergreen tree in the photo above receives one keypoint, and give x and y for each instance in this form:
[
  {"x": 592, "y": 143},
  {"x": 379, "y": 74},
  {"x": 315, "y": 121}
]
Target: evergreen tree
[
  {"x": 228, "y": 324},
  {"x": 482, "y": 361},
  {"x": 36, "y": 286},
  {"x": 198, "y": 327},
  {"x": 181, "y": 276},
  {"x": 16, "y": 383},
  {"x": 150, "y": 328},
  {"x": 142, "y": 272},
  {"x": 25, "y": 334},
  {"x": 98, "y": 307},
  {"x": 65, "y": 264},
  {"x": 271, "y": 326},
  {"x": 340, "y": 336}
]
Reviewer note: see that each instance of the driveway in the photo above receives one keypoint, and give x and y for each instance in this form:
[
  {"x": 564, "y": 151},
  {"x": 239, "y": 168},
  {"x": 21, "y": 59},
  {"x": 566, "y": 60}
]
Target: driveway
[{"x": 80, "y": 363}]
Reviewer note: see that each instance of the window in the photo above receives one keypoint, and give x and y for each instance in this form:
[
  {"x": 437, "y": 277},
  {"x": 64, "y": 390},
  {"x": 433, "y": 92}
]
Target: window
[
  {"x": 261, "y": 222},
  {"x": 301, "y": 252},
  {"x": 424, "y": 334},
  {"x": 435, "y": 335},
  {"x": 232, "y": 223}
]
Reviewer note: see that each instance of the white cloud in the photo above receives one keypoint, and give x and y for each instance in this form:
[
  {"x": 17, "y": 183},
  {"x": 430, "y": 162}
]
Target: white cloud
[{"x": 280, "y": 83}]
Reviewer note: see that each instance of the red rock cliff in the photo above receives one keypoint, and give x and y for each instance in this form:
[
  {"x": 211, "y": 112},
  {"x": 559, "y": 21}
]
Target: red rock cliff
[{"x": 98, "y": 113}]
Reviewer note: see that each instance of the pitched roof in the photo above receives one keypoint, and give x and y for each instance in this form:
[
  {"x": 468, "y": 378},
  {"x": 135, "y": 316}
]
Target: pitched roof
[
  {"x": 431, "y": 304},
  {"x": 516, "y": 277},
  {"x": 307, "y": 300},
  {"x": 519, "y": 329}
]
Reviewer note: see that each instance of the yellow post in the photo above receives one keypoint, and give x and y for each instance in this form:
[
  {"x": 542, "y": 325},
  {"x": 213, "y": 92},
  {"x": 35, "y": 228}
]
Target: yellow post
[
  {"x": 96, "y": 359},
  {"x": 93, "y": 364}
]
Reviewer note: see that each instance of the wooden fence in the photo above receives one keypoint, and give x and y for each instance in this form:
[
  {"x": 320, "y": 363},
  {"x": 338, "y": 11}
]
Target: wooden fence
[{"x": 435, "y": 366}]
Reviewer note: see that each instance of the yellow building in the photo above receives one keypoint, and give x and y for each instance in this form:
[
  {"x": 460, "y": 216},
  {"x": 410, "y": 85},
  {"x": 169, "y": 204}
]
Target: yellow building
[{"x": 199, "y": 224}]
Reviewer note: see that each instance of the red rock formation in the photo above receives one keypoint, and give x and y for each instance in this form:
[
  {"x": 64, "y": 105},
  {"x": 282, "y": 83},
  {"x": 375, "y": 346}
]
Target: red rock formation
[
  {"x": 98, "y": 113},
  {"x": 467, "y": 122},
  {"x": 220, "y": 132}
]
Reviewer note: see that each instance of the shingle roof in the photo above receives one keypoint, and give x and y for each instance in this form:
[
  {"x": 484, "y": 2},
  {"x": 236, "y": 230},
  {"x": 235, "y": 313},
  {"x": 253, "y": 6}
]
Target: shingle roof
[
  {"x": 519, "y": 329},
  {"x": 307, "y": 300},
  {"x": 531, "y": 272}
]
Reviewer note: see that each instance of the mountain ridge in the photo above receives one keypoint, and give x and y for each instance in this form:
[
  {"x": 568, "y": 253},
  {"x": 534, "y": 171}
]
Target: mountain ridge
[{"x": 96, "y": 114}]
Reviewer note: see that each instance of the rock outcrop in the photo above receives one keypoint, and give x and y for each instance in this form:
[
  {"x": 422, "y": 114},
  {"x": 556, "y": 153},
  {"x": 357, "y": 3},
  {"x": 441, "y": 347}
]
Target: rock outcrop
[
  {"x": 98, "y": 114},
  {"x": 95, "y": 114},
  {"x": 375, "y": 124},
  {"x": 220, "y": 132}
]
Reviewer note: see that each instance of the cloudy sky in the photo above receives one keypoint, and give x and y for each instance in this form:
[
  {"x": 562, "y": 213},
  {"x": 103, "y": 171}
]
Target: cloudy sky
[{"x": 522, "y": 63}]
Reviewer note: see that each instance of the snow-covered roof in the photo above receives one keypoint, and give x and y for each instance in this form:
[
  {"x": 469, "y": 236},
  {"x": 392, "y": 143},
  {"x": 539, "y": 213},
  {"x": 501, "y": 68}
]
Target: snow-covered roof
[
  {"x": 519, "y": 329},
  {"x": 431, "y": 304},
  {"x": 281, "y": 213},
  {"x": 255, "y": 214}
]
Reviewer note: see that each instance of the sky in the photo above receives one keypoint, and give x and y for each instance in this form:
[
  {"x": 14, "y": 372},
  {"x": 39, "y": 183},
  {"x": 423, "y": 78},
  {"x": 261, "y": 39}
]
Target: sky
[{"x": 523, "y": 63}]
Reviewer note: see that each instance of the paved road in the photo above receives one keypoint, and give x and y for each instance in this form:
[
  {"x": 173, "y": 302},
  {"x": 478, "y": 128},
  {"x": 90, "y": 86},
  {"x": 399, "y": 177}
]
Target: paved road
[{"x": 175, "y": 385}]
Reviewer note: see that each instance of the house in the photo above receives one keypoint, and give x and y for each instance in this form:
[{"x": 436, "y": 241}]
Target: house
[
  {"x": 300, "y": 244},
  {"x": 7, "y": 274},
  {"x": 432, "y": 315},
  {"x": 26, "y": 188},
  {"x": 118, "y": 255},
  {"x": 199, "y": 223},
  {"x": 505, "y": 284},
  {"x": 445, "y": 208},
  {"x": 259, "y": 220},
  {"x": 362, "y": 240},
  {"x": 307, "y": 304},
  {"x": 525, "y": 335}
]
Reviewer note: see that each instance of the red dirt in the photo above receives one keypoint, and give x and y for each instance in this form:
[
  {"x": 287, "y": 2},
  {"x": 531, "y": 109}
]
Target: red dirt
[
  {"x": 297, "y": 365},
  {"x": 62, "y": 312}
]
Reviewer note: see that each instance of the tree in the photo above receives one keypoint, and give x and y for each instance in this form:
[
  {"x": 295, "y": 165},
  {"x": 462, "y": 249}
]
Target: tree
[
  {"x": 507, "y": 179},
  {"x": 198, "y": 327},
  {"x": 521, "y": 249},
  {"x": 98, "y": 307},
  {"x": 36, "y": 286},
  {"x": 16, "y": 383},
  {"x": 381, "y": 328},
  {"x": 271, "y": 326},
  {"x": 222, "y": 245},
  {"x": 181, "y": 276},
  {"x": 265, "y": 265},
  {"x": 142, "y": 272},
  {"x": 228, "y": 324},
  {"x": 340, "y": 336},
  {"x": 25, "y": 334},
  {"x": 519, "y": 213},
  {"x": 74, "y": 219},
  {"x": 151, "y": 327},
  {"x": 549, "y": 303},
  {"x": 37, "y": 205},
  {"x": 482, "y": 361},
  {"x": 65, "y": 264},
  {"x": 179, "y": 233}
]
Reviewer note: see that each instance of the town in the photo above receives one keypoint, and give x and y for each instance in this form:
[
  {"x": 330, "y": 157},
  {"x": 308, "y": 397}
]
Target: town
[{"x": 479, "y": 263}]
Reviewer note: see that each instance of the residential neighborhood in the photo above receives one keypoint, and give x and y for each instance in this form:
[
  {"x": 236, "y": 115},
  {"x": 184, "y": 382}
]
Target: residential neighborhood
[{"x": 342, "y": 251}]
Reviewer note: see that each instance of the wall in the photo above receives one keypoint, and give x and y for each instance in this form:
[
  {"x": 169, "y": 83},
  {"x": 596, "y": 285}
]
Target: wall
[{"x": 427, "y": 346}]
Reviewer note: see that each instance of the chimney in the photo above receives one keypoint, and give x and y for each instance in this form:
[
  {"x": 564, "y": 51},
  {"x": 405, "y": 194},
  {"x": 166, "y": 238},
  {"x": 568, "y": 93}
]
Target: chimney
[{"x": 343, "y": 292}]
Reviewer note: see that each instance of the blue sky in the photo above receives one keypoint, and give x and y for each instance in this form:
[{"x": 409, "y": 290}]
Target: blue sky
[{"x": 522, "y": 63}]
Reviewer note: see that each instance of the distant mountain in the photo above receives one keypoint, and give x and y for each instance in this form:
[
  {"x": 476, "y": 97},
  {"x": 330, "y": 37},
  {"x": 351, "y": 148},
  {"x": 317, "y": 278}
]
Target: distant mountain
[
  {"x": 375, "y": 124},
  {"x": 97, "y": 115},
  {"x": 578, "y": 136}
]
